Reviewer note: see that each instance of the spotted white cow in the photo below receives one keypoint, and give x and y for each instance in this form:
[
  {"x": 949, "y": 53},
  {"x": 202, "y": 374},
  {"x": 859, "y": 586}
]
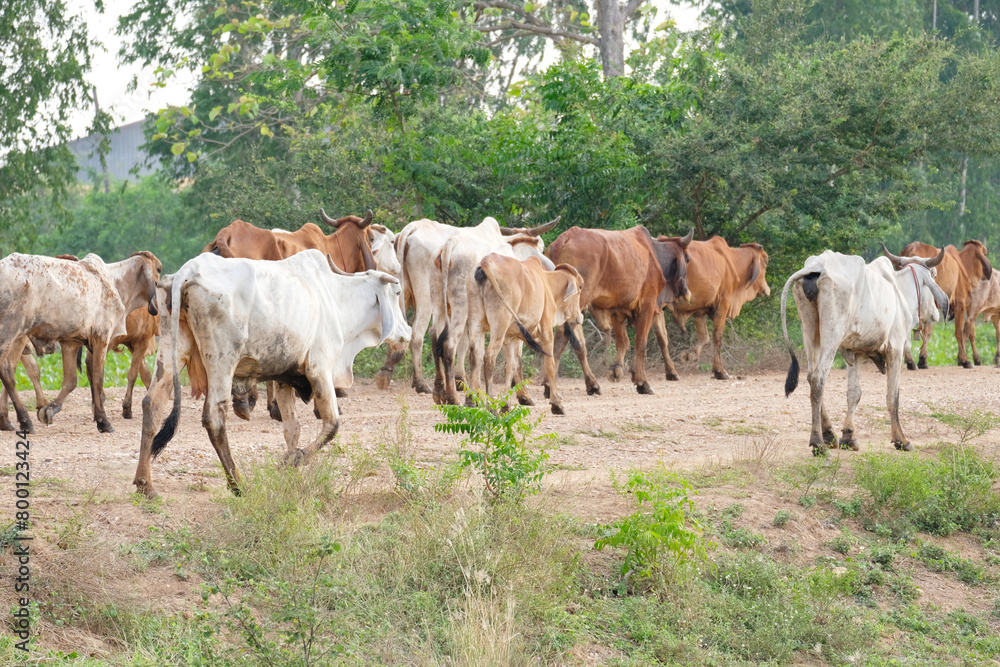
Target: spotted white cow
[
  {"x": 233, "y": 322},
  {"x": 74, "y": 303},
  {"x": 863, "y": 310}
]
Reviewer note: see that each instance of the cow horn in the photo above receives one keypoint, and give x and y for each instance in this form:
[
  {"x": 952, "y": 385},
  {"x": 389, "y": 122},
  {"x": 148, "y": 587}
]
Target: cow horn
[
  {"x": 931, "y": 263},
  {"x": 368, "y": 219},
  {"x": 387, "y": 278},
  {"x": 686, "y": 241},
  {"x": 336, "y": 269},
  {"x": 895, "y": 259},
  {"x": 538, "y": 231},
  {"x": 327, "y": 219}
]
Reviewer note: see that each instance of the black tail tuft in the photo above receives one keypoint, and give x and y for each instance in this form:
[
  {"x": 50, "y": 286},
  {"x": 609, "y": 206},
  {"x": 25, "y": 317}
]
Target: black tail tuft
[
  {"x": 792, "y": 381},
  {"x": 480, "y": 275},
  {"x": 439, "y": 343},
  {"x": 530, "y": 340},
  {"x": 166, "y": 433},
  {"x": 571, "y": 336}
]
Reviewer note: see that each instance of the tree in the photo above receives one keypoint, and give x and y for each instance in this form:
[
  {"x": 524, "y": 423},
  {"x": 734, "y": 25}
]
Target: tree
[
  {"x": 42, "y": 81},
  {"x": 562, "y": 21}
]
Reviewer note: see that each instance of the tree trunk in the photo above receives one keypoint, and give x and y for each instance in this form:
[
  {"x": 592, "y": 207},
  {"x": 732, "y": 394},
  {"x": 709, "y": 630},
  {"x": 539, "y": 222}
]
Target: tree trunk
[
  {"x": 611, "y": 26},
  {"x": 934, "y": 17},
  {"x": 101, "y": 148},
  {"x": 961, "y": 187},
  {"x": 975, "y": 11}
]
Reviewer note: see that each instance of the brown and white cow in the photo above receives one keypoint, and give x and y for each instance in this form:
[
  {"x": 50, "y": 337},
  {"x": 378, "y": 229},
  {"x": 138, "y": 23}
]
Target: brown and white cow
[
  {"x": 520, "y": 300},
  {"x": 74, "y": 303},
  {"x": 957, "y": 275},
  {"x": 721, "y": 280},
  {"x": 625, "y": 279}
]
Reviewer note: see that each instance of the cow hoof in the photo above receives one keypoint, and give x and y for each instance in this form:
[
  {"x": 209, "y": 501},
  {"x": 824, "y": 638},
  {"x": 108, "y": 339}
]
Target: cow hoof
[
  {"x": 830, "y": 439},
  {"x": 592, "y": 390},
  {"x": 720, "y": 375},
  {"x": 274, "y": 411},
  {"x": 295, "y": 457},
  {"x": 341, "y": 393},
  {"x": 965, "y": 364},
  {"x": 47, "y": 413},
  {"x": 976, "y": 361},
  {"x": 910, "y": 366},
  {"x": 617, "y": 371},
  {"x": 146, "y": 489},
  {"x": 687, "y": 356},
  {"x": 105, "y": 427},
  {"x": 922, "y": 363},
  {"x": 849, "y": 443},
  {"x": 470, "y": 401},
  {"x": 5, "y": 425},
  {"x": 460, "y": 384},
  {"x": 820, "y": 451},
  {"x": 526, "y": 400},
  {"x": 451, "y": 400},
  {"x": 672, "y": 377},
  {"x": 996, "y": 360},
  {"x": 644, "y": 388},
  {"x": 545, "y": 390},
  {"x": 241, "y": 409},
  {"x": 421, "y": 387},
  {"x": 382, "y": 380},
  {"x": 557, "y": 409},
  {"x": 438, "y": 398},
  {"x": 903, "y": 446},
  {"x": 126, "y": 412}
]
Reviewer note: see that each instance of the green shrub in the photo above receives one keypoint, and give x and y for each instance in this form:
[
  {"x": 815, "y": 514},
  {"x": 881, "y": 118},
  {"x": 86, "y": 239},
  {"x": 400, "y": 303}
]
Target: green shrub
[
  {"x": 782, "y": 518},
  {"x": 941, "y": 496},
  {"x": 660, "y": 535},
  {"x": 503, "y": 439}
]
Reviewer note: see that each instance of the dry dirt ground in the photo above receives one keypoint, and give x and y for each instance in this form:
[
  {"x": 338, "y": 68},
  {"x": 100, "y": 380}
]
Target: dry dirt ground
[{"x": 695, "y": 423}]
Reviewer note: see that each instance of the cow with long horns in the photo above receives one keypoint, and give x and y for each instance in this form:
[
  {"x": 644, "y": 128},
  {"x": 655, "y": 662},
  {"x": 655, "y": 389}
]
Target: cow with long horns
[{"x": 863, "y": 310}]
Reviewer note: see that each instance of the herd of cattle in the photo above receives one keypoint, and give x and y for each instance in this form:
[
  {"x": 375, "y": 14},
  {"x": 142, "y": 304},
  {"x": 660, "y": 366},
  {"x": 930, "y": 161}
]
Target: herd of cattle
[{"x": 295, "y": 308}]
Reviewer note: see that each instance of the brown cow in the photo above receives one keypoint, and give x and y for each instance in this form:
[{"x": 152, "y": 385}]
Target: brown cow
[
  {"x": 986, "y": 302},
  {"x": 519, "y": 300},
  {"x": 625, "y": 279},
  {"x": 350, "y": 246},
  {"x": 721, "y": 280},
  {"x": 957, "y": 275}
]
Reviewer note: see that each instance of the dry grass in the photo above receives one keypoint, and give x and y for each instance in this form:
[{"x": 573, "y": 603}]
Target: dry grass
[{"x": 758, "y": 452}]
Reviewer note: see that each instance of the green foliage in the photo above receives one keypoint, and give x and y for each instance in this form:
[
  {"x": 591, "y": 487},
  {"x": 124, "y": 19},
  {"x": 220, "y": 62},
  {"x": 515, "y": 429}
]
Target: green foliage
[
  {"x": 782, "y": 518},
  {"x": 660, "y": 538},
  {"x": 503, "y": 440},
  {"x": 940, "y": 559},
  {"x": 941, "y": 495}
]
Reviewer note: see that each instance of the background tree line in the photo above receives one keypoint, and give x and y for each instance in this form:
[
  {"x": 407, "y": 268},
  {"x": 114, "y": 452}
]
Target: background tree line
[{"x": 799, "y": 125}]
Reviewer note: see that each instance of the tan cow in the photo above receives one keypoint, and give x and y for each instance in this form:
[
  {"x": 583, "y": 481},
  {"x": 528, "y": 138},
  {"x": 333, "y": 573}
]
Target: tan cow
[
  {"x": 75, "y": 303},
  {"x": 520, "y": 300},
  {"x": 957, "y": 275},
  {"x": 986, "y": 302}
]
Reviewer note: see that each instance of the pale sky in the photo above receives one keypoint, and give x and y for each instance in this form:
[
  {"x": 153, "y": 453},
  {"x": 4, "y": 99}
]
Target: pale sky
[{"x": 112, "y": 80}]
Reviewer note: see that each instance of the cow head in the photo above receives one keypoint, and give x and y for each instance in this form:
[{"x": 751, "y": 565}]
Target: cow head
[
  {"x": 351, "y": 241},
  {"x": 923, "y": 270},
  {"x": 568, "y": 306},
  {"x": 984, "y": 263},
  {"x": 671, "y": 253},
  {"x": 526, "y": 246},
  {"x": 387, "y": 295},
  {"x": 383, "y": 242},
  {"x": 757, "y": 278},
  {"x": 148, "y": 277}
]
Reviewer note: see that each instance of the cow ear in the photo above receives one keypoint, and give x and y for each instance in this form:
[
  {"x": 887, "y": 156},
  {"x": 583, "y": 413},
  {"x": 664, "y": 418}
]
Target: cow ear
[
  {"x": 754, "y": 272},
  {"x": 570, "y": 289},
  {"x": 388, "y": 319}
]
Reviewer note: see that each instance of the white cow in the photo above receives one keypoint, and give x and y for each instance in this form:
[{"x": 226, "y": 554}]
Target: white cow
[
  {"x": 298, "y": 321},
  {"x": 863, "y": 311},
  {"x": 417, "y": 246},
  {"x": 76, "y": 303}
]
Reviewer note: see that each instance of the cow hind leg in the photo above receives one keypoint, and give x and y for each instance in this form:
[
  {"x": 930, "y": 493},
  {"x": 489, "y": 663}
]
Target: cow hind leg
[
  {"x": 35, "y": 376},
  {"x": 718, "y": 329},
  {"x": 642, "y": 325},
  {"x": 69, "y": 382},
  {"x": 284, "y": 395},
  {"x": 213, "y": 418},
  {"x": 621, "y": 347},
  {"x": 664, "y": 341},
  {"x": 326, "y": 403},
  {"x": 996, "y": 326},
  {"x": 899, "y": 440},
  {"x": 133, "y": 375},
  {"x": 100, "y": 349},
  {"x": 925, "y": 338},
  {"x": 847, "y": 440},
  {"x": 515, "y": 355},
  {"x": 7, "y": 376},
  {"x": 273, "y": 409},
  {"x": 821, "y": 432},
  {"x": 394, "y": 353},
  {"x": 421, "y": 319}
]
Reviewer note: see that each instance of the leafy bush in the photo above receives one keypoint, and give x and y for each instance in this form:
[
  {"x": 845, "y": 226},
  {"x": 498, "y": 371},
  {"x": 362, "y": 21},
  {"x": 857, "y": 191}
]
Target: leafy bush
[
  {"x": 504, "y": 439},
  {"x": 941, "y": 496},
  {"x": 660, "y": 538}
]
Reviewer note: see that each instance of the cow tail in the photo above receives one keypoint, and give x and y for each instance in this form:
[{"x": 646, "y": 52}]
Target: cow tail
[
  {"x": 571, "y": 336},
  {"x": 487, "y": 268},
  {"x": 170, "y": 424},
  {"x": 792, "y": 380}
]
